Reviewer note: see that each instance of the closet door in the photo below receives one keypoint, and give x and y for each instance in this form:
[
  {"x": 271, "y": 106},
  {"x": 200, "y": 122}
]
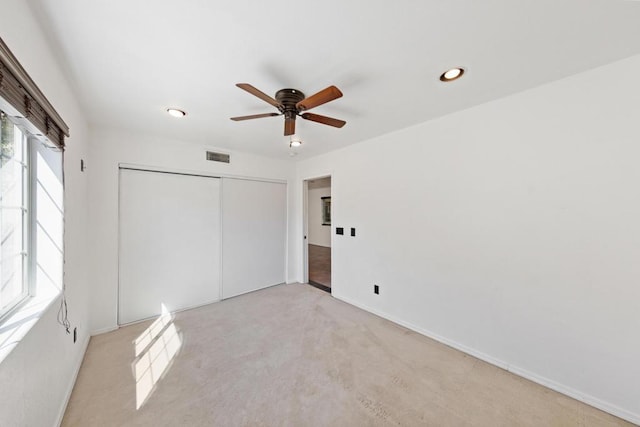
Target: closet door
[
  {"x": 169, "y": 251},
  {"x": 254, "y": 216}
]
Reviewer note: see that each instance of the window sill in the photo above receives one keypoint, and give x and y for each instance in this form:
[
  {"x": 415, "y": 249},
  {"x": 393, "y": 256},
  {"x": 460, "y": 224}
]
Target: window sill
[{"x": 15, "y": 327}]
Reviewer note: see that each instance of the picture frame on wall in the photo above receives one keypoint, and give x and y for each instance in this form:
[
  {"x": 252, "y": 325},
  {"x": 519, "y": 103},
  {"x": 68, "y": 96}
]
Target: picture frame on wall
[{"x": 326, "y": 210}]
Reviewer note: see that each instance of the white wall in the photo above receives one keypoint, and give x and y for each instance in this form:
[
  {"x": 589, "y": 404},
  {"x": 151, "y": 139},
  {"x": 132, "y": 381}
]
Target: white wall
[
  {"x": 38, "y": 374},
  {"x": 510, "y": 230},
  {"x": 109, "y": 148},
  {"x": 318, "y": 234}
]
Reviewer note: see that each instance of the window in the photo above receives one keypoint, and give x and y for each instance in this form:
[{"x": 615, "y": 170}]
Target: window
[
  {"x": 14, "y": 215},
  {"x": 32, "y": 140}
]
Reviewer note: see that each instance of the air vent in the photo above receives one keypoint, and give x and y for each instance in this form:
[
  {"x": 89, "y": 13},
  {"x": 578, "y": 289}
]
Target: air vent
[{"x": 218, "y": 157}]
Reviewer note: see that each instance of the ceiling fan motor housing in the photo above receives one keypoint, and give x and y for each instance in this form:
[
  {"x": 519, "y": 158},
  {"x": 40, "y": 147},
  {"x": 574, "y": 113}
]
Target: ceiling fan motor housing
[{"x": 289, "y": 98}]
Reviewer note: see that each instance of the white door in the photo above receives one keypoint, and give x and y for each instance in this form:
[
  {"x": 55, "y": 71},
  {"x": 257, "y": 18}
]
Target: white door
[
  {"x": 169, "y": 243},
  {"x": 254, "y": 217}
]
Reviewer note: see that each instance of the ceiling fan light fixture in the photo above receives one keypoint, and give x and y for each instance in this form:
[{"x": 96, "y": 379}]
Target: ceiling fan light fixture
[
  {"x": 295, "y": 142},
  {"x": 452, "y": 74},
  {"x": 176, "y": 112}
]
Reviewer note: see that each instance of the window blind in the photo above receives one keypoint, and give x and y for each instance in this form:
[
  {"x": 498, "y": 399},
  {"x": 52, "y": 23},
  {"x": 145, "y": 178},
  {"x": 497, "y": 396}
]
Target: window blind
[{"x": 21, "y": 98}]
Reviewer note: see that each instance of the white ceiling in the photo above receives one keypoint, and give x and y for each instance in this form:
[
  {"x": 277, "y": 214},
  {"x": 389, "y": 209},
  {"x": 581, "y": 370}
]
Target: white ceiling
[{"x": 130, "y": 60}]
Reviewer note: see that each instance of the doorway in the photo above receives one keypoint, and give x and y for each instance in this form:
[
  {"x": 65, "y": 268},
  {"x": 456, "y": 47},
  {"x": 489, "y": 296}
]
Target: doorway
[{"x": 318, "y": 232}]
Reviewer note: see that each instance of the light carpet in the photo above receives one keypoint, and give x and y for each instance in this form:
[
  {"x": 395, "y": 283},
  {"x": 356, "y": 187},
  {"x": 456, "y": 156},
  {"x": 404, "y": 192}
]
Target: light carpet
[{"x": 292, "y": 355}]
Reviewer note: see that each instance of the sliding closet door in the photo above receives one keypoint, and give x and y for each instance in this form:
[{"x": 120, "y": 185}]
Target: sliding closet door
[
  {"x": 254, "y": 219},
  {"x": 169, "y": 243}
]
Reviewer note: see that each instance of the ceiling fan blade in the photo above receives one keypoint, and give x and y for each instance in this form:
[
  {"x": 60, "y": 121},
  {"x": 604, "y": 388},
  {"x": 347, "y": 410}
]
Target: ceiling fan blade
[
  {"x": 255, "y": 92},
  {"x": 289, "y": 126},
  {"x": 336, "y": 123},
  {"x": 322, "y": 97},
  {"x": 255, "y": 116}
]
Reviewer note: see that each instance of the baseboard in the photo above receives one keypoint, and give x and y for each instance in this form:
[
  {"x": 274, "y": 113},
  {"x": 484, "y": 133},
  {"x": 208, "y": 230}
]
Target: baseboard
[
  {"x": 72, "y": 383},
  {"x": 104, "y": 330},
  {"x": 546, "y": 382},
  {"x": 254, "y": 290},
  {"x": 114, "y": 328},
  {"x": 585, "y": 398}
]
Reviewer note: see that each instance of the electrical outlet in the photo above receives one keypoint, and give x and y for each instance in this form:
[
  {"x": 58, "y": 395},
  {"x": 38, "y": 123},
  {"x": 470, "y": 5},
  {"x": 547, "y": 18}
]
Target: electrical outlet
[
  {"x": 75, "y": 334},
  {"x": 376, "y": 289}
]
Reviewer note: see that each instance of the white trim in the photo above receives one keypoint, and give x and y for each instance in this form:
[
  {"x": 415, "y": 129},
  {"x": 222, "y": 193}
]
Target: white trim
[
  {"x": 119, "y": 246},
  {"x": 104, "y": 330},
  {"x": 285, "y": 263},
  {"x": 221, "y": 242},
  {"x": 72, "y": 383},
  {"x": 149, "y": 168},
  {"x": 319, "y": 176},
  {"x": 254, "y": 290},
  {"x": 32, "y": 213},
  {"x": 305, "y": 225},
  {"x": 546, "y": 382},
  {"x": 155, "y": 316},
  {"x": 305, "y": 231},
  {"x": 28, "y": 181},
  {"x": 115, "y": 328}
]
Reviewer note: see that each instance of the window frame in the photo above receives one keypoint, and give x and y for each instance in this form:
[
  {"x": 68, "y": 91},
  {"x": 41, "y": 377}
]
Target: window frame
[
  {"x": 32, "y": 209},
  {"x": 27, "y": 107},
  {"x": 28, "y": 223}
]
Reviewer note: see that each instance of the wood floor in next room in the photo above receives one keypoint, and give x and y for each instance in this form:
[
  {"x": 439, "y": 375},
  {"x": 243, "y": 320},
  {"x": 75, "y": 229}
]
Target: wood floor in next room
[
  {"x": 292, "y": 355},
  {"x": 320, "y": 266}
]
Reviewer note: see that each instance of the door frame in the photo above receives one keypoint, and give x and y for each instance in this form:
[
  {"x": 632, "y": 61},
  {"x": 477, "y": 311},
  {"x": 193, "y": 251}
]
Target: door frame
[{"x": 305, "y": 225}]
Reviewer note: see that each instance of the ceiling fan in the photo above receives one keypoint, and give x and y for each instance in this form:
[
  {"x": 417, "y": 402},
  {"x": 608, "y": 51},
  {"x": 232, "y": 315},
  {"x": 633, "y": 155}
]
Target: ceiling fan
[{"x": 292, "y": 103}]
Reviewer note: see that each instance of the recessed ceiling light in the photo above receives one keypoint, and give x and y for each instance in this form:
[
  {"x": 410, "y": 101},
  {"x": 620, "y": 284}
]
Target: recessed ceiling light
[
  {"x": 452, "y": 74},
  {"x": 295, "y": 143},
  {"x": 176, "y": 112}
]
